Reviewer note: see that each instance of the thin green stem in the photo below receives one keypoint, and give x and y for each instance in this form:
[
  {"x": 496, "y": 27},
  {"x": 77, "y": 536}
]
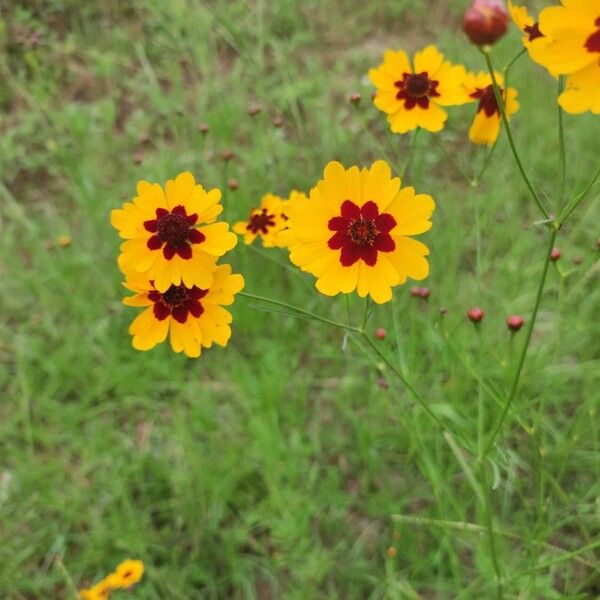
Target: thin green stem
[
  {"x": 562, "y": 166},
  {"x": 450, "y": 160},
  {"x": 480, "y": 397},
  {"x": 501, "y": 107},
  {"x": 413, "y": 144},
  {"x": 509, "y": 66},
  {"x": 575, "y": 201},
  {"x": 366, "y": 314},
  {"x": 486, "y": 163},
  {"x": 489, "y": 524},
  {"x": 301, "y": 311},
  {"x": 517, "y": 375}
]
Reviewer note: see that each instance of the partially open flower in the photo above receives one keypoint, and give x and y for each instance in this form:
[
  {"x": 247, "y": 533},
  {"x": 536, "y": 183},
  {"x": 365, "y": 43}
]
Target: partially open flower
[
  {"x": 514, "y": 322},
  {"x": 485, "y": 21},
  {"x": 267, "y": 222}
]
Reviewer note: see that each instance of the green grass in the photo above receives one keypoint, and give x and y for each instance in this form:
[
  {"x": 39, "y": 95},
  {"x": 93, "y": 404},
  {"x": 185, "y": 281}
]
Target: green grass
[{"x": 274, "y": 468}]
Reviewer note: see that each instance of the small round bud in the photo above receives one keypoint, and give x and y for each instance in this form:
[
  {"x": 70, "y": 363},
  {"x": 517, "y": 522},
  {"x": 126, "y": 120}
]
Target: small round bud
[
  {"x": 443, "y": 311},
  {"x": 254, "y": 109},
  {"x": 277, "y": 121},
  {"x": 577, "y": 260},
  {"x": 233, "y": 184},
  {"x": 203, "y": 128},
  {"x": 355, "y": 98},
  {"x": 475, "y": 314},
  {"x": 380, "y": 333},
  {"x": 414, "y": 291},
  {"x": 227, "y": 155},
  {"x": 137, "y": 157},
  {"x": 424, "y": 293},
  {"x": 555, "y": 254},
  {"x": 485, "y": 21},
  {"x": 392, "y": 552},
  {"x": 514, "y": 322}
]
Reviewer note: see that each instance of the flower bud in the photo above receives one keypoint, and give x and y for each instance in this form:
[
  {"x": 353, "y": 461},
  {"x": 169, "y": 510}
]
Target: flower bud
[
  {"x": 203, "y": 128},
  {"x": 577, "y": 260},
  {"x": 380, "y": 333},
  {"x": 485, "y": 21},
  {"x": 227, "y": 155},
  {"x": 414, "y": 291},
  {"x": 555, "y": 254},
  {"x": 514, "y": 322},
  {"x": 254, "y": 109},
  {"x": 424, "y": 293},
  {"x": 475, "y": 314},
  {"x": 277, "y": 121},
  {"x": 443, "y": 311},
  {"x": 355, "y": 98},
  {"x": 233, "y": 184}
]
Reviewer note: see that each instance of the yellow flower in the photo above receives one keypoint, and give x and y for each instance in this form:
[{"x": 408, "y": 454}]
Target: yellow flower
[
  {"x": 527, "y": 25},
  {"x": 128, "y": 573},
  {"x": 573, "y": 49},
  {"x": 413, "y": 95},
  {"x": 267, "y": 221},
  {"x": 352, "y": 232},
  {"x": 193, "y": 316},
  {"x": 486, "y": 125},
  {"x": 100, "y": 591},
  {"x": 63, "y": 240},
  {"x": 164, "y": 241}
]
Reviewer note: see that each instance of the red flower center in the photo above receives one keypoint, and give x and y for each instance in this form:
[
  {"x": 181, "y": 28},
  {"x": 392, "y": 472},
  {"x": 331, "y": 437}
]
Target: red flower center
[
  {"x": 361, "y": 232},
  {"x": 178, "y": 301},
  {"x": 487, "y": 100},
  {"x": 174, "y": 232},
  {"x": 533, "y": 31},
  {"x": 593, "y": 42},
  {"x": 260, "y": 222},
  {"x": 416, "y": 88}
]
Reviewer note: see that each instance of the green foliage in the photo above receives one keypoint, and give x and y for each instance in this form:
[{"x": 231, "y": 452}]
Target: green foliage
[{"x": 273, "y": 468}]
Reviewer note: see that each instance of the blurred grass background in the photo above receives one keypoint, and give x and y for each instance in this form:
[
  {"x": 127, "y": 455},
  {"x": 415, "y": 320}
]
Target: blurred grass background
[{"x": 272, "y": 469}]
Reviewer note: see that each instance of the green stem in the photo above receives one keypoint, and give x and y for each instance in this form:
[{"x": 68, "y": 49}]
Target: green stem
[
  {"x": 366, "y": 314},
  {"x": 501, "y": 107},
  {"x": 301, "y": 311},
  {"x": 517, "y": 376},
  {"x": 489, "y": 524},
  {"x": 562, "y": 167},
  {"x": 575, "y": 201}
]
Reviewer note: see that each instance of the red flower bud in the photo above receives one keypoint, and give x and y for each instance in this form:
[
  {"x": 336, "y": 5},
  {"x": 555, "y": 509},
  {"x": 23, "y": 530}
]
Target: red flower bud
[
  {"x": 514, "y": 322},
  {"x": 277, "y": 121},
  {"x": 203, "y": 128},
  {"x": 380, "y": 333},
  {"x": 227, "y": 155},
  {"x": 485, "y": 21},
  {"x": 424, "y": 293},
  {"x": 475, "y": 314},
  {"x": 414, "y": 291},
  {"x": 233, "y": 184},
  {"x": 555, "y": 254},
  {"x": 355, "y": 98},
  {"x": 254, "y": 109}
]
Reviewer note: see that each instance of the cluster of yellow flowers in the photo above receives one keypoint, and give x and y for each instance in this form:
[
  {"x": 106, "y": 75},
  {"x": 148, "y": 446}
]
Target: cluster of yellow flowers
[
  {"x": 566, "y": 41},
  {"x": 127, "y": 574},
  {"x": 169, "y": 260},
  {"x": 413, "y": 94},
  {"x": 353, "y": 230}
]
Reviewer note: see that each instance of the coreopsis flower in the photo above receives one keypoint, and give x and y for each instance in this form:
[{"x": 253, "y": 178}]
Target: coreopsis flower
[
  {"x": 486, "y": 125},
  {"x": 573, "y": 49},
  {"x": 412, "y": 95},
  {"x": 100, "y": 591},
  {"x": 353, "y": 232},
  {"x": 193, "y": 317},
  {"x": 526, "y": 24},
  {"x": 485, "y": 21},
  {"x": 127, "y": 573},
  {"x": 171, "y": 235},
  {"x": 267, "y": 222}
]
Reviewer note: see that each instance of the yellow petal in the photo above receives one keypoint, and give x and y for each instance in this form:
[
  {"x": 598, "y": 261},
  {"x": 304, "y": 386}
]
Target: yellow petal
[{"x": 180, "y": 189}]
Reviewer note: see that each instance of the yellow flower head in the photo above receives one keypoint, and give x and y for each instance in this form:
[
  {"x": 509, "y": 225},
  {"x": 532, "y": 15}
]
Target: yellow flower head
[
  {"x": 267, "y": 221},
  {"x": 486, "y": 125},
  {"x": 352, "y": 232},
  {"x": 128, "y": 573},
  {"x": 100, "y": 591},
  {"x": 164, "y": 240},
  {"x": 193, "y": 316},
  {"x": 413, "y": 95},
  {"x": 527, "y": 25},
  {"x": 573, "y": 49}
]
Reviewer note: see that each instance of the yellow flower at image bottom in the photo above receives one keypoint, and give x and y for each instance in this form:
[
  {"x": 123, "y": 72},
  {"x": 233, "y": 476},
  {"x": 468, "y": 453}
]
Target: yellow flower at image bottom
[
  {"x": 127, "y": 574},
  {"x": 192, "y": 317},
  {"x": 353, "y": 232},
  {"x": 171, "y": 235},
  {"x": 486, "y": 124},
  {"x": 266, "y": 222},
  {"x": 413, "y": 95}
]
